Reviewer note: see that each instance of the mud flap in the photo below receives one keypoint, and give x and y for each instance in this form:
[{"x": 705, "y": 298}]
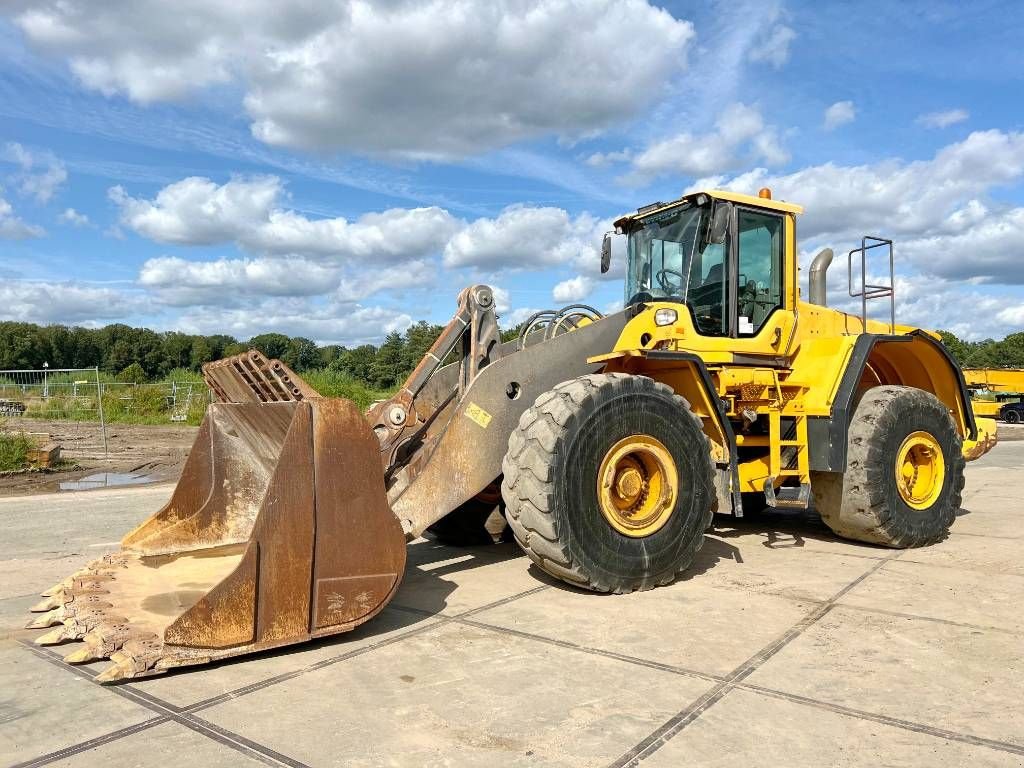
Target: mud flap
[{"x": 278, "y": 531}]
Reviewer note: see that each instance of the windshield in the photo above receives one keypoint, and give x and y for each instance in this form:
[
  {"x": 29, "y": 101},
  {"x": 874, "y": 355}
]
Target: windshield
[{"x": 668, "y": 260}]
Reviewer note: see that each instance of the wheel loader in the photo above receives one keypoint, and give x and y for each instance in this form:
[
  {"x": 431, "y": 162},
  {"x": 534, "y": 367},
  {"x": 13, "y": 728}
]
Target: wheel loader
[{"x": 609, "y": 442}]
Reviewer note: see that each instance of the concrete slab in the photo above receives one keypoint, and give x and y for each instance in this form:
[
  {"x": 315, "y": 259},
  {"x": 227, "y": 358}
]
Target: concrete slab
[
  {"x": 190, "y": 686},
  {"x": 463, "y": 696},
  {"x": 747, "y": 730},
  {"x": 985, "y": 554},
  {"x": 690, "y": 624},
  {"x": 955, "y": 678},
  {"x": 44, "y": 708},
  {"x": 774, "y": 567},
  {"x": 950, "y": 594},
  {"x": 165, "y": 744},
  {"x": 449, "y": 580}
]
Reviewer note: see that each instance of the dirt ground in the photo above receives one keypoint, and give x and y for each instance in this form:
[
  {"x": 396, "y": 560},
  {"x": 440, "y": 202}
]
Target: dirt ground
[{"x": 155, "y": 450}]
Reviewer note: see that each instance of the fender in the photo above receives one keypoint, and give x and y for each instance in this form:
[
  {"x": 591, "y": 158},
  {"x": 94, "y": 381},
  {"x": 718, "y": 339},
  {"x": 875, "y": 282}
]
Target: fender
[{"x": 915, "y": 359}]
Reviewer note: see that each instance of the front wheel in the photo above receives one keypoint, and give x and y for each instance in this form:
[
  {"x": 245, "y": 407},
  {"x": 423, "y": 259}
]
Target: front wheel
[
  {"x": 905, "y": 472},
  {"x": 1012, "y": 417},
  {"x": 609, "y": 482}
]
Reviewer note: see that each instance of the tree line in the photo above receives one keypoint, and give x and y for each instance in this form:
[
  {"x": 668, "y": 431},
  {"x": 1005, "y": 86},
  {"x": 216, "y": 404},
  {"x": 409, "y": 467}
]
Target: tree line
[{"x": 152, "y": 355}]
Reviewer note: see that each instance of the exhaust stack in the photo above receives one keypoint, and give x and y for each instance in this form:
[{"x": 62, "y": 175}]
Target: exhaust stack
[{"x": 817, "y": 282}]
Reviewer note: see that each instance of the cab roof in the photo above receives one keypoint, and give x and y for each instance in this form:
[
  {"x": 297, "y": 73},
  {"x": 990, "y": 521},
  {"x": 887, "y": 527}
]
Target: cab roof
[{"x": 717, "y": 194}]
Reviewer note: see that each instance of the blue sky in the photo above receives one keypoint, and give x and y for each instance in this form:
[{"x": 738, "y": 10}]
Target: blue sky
[{"x": 338, "y": 170}]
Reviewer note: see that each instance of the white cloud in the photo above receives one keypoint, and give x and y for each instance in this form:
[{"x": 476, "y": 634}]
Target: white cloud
[
  {"x": 14, "y": 228},
  {"x": 773, "y": 48},
  {"x": 517, "y": 316},
  {"x": 428, "y": 79},
  {"x": 840, "y": 113},
  {"x": 1013, "y": 315},
  {"x": 41, "y": 174},
  {"x": 740, "y": 137},
  {"x": 502, "y": 299},
  {"x": 249, "y": 212},
  {"x": 56, "y": 302},
  {"x": 524, "y": 237},
  {"x": 933, "y": 208},
  {"x": 943, "y": 119},
  {"x": 74, "y": 218},
  {"x": 572, "y": 290},
  {"x": 180, "y": 282},
  {"x": 326, "y": 324}
]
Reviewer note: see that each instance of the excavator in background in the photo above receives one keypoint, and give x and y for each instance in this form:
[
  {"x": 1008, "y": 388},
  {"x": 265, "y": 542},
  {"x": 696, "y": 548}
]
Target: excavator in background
[
  {"x": 997, "y": 393},
  {"x": 609, "y": 440}
]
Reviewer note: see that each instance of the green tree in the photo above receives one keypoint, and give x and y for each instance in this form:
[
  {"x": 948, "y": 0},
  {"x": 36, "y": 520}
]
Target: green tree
[
  {"x": 357, "y": 362},
  {"x": 388, "y": 365},
  {"x": 201, "y": 352},
  {"x": 270, "y": 344},
  {"x": 301, "y": 354},
  {"x": 132, "y": 374}
]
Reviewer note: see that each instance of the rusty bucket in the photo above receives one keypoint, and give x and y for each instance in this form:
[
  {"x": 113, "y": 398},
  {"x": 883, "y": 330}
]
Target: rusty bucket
[{"x": 278, "y": 531}]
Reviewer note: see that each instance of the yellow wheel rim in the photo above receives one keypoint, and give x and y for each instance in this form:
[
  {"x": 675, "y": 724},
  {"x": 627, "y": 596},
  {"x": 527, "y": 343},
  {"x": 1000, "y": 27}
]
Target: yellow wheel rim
[
  {"x": 920, "y": 470},
  {"x": 637, "y": 486}
]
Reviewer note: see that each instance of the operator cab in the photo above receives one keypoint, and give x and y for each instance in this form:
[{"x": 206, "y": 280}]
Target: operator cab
[{"x": 722, "y": 255}]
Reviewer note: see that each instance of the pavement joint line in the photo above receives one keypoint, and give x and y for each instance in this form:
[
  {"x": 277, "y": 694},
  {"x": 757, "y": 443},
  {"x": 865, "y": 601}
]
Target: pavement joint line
[
  {"x": 285, "y": 676},
  {"x": 902, "y": 615},
  {"x": 675, "y": 724},
  {"x": 98, "y": 741},
  {"x": 896, "y": 722},
  {"x": 984, "y": 535},
  {"x": 676, "y": 670},
  {"x": 173, "y": 713}
]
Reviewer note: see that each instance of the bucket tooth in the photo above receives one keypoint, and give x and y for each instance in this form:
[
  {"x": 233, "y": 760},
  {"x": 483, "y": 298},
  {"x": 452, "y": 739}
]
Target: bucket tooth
[
  {"x": 48, "y": 619},
  {"x": 50, "y": 603},
  {"x": 93, "y": 648},
  {"x": 113, "y": 673},
  {"x": 57, "y": 636}
]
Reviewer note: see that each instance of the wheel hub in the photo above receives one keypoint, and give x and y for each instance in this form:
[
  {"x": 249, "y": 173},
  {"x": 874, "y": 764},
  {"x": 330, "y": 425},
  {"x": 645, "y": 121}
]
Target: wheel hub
[
  {"x": 637, "y": 485},
  {"x": 920, "y": 470}
]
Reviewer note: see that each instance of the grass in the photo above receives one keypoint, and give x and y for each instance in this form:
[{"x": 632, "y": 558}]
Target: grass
[
  {"x": 14, "y": 448},
  {"x": 334, "y": 384}
]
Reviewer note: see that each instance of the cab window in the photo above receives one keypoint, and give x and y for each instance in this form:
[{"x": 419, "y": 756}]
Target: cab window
[{"x": 759, "y": 269}]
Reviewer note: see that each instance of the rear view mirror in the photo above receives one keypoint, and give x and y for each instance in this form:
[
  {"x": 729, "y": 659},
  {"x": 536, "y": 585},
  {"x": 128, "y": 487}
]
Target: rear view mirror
[
  {"x": 720, "y": 222},
  {"x": 606, "y": 253}
]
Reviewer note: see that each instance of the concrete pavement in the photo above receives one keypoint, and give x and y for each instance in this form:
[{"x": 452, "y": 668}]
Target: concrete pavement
[{"x": 783, "y": 646}]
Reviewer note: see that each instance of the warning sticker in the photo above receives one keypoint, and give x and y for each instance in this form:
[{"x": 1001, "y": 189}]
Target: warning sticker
[{"x": 478, "y": 414}]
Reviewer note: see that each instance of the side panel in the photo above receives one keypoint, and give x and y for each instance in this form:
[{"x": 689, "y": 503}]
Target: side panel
[{"x": 914, "y": 360}]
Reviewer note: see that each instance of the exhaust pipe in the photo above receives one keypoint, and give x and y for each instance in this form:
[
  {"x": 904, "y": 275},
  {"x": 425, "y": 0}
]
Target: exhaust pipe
[{"x": 819, "y": 267}]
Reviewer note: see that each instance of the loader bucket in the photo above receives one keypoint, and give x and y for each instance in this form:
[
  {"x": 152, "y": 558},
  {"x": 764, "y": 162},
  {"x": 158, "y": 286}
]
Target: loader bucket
[{"x": 278, "y": 531}]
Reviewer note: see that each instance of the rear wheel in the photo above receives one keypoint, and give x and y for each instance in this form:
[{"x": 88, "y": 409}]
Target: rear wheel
[
  {"x": 1012, "y": 417},
  {"x": 609, "y": 482},
  {"x": 905, "y": 472}
]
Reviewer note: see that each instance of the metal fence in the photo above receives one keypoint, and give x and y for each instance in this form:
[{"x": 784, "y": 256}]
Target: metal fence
[{"x": 74, "y": 395}]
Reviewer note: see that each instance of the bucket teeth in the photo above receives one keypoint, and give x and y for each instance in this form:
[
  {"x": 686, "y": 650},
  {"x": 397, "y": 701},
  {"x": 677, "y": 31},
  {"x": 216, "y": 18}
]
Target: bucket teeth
[
  {"x": 113, "y": 673},
  {"x": 48, "y": 619}
]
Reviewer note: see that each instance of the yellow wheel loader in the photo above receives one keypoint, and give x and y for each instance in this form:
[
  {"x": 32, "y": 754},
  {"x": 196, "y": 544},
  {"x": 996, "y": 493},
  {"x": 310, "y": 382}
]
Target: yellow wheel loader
[{"x": 609, "y": 440}]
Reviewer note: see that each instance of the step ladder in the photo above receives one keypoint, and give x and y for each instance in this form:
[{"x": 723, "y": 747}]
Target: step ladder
[{"x": 790, "y": 497}]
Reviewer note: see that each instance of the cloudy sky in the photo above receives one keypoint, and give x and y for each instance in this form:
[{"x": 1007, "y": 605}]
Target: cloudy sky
[{"x": 339, "y": 169}]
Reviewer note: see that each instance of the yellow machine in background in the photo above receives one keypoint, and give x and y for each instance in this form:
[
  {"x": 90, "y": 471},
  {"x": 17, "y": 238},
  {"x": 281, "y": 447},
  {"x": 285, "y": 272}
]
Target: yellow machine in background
[
  {"x": 999, "y": 384},
  {"x": 613, "y": 440}
]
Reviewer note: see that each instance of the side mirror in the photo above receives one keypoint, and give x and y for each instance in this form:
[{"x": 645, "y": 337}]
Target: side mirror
[
  {"x": 720, "y": 220},
  {"x": 606, "y": 253}
]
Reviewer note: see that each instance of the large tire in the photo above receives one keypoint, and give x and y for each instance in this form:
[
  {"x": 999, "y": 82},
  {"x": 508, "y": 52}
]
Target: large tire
[
  {"x": 1012, "y": 417},
  {"x": 551, "y": 473},
  {"x": 865, "y": 503}
]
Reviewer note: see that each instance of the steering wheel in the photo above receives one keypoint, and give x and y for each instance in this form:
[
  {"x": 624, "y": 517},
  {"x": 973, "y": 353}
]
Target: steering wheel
[{"x": 667, "y": 285}]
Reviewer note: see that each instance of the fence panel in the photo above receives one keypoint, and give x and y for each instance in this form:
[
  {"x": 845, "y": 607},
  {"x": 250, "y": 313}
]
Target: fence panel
[{"x": 31, "y": 397}]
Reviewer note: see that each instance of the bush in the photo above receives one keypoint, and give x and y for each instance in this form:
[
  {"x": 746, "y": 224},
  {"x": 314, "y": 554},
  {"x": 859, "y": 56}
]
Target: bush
[
  {"x": 14, "y": 448},
  {"x": 133, "y": 374}
]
